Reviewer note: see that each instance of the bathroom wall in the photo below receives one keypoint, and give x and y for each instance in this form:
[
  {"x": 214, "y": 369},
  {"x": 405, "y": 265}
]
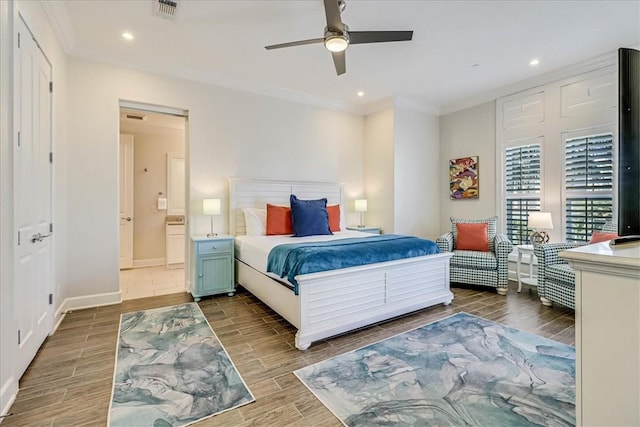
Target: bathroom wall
[{"x": 149, "y": 179}]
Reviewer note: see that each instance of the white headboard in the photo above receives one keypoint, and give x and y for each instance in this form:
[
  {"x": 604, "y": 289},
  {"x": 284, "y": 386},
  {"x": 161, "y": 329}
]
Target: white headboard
[{"x": 256, "y": 193}]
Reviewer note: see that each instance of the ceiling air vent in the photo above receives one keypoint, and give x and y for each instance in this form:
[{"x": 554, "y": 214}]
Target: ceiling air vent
[
  {"x": 165, "y": 8},
  {"x": 135, "y": 117}
]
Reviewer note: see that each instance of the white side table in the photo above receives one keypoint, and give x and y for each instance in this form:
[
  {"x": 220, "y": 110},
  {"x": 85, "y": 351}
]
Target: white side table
[
  {"x": 530, "y": 279},
  {"x": 366, "y": 229}
]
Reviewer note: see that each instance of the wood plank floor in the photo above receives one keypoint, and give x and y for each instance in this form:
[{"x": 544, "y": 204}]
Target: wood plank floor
[{"x": 69, "y": 381}]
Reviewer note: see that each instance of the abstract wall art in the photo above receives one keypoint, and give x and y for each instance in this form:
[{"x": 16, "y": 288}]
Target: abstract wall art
[{"x": 464, "y": 180}]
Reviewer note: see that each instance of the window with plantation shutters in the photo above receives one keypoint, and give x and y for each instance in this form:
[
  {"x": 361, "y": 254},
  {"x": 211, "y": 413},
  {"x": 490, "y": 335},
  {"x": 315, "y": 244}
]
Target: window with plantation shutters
[
  {"x": 588, "y": 164},
  {"x": 522, "y": 183},
  {"x": 556, "y": 149}
]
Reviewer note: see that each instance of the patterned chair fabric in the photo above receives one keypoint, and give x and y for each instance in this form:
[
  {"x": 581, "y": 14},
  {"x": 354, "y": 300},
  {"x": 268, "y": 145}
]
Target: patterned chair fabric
[
  {"x": 556, "y": 278},
  {"x": 479, "y": 268}
]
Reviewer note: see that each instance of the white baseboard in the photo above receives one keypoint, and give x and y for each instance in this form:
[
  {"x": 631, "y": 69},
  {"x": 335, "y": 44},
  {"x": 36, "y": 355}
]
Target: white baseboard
[
  {"x": 89, "y": 301},
  {"x": 151, "y": 262},
  {"x": 8, "y": 394},
  {"x": 58, "y": 317}
]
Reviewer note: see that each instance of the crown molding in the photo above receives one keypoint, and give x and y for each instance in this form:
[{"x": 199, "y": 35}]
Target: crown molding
[{"x": 56, "y": 13}]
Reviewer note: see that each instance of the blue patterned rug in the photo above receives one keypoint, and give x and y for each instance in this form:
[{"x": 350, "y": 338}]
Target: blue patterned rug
[
  {"x": 459, "y": 371},
  {"x": 171, "y": 370}
]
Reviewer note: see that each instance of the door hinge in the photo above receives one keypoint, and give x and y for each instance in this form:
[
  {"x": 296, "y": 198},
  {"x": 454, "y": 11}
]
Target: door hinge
[
  {"x": 50, "y": 227},
  {"x": 18, "y": 336},
  {"x": 51, "y": 87},
  {"x": 18, "y": 138},
  {"x": 18, "y": 39},
  {"x": 50, "y": 299},
  {"x": 50, "y": 157},
  {"x": 18, "y": 238}
]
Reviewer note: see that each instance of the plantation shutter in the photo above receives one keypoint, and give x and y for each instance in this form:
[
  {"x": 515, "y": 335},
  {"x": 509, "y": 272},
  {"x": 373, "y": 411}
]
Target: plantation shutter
[
  {"x": 522, "y": 183},
  {"x": 588, "y": 185}
]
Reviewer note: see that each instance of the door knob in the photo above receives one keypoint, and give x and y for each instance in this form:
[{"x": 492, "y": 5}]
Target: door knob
[
  {"x": 126, "y": 218},
  {"x": 38, "y": 237}
]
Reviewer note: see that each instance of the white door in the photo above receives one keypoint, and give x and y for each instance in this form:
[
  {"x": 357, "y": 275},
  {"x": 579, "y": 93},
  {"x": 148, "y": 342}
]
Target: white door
[
  {"x": 126, "y": 201},
  {"x": 32, "y": 197}
]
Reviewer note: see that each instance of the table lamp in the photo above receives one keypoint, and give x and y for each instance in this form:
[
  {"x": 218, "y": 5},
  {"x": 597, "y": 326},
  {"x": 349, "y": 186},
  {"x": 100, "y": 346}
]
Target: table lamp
[
  {"x": 360, "y": 205},
  {"x": 211, "y": 207},
  {"x": 537, "y": 222}
]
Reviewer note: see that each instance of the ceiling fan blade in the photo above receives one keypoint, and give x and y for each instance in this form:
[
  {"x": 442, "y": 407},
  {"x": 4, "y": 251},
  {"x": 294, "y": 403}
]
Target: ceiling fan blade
[
  {"x": 298, "y": 43},
  {"x": 332, "y": 12},
  {"x": 339, "y": 62},
  {"x": 359, "y": 37}
]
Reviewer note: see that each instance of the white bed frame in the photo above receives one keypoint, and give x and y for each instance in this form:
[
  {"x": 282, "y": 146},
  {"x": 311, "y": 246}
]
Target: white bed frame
[{"x": 336, "y": 301}]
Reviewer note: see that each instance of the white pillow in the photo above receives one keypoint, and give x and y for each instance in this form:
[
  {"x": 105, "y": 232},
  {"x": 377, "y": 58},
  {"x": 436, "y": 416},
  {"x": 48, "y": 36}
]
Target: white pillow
[{"x": 256, "y": 221}]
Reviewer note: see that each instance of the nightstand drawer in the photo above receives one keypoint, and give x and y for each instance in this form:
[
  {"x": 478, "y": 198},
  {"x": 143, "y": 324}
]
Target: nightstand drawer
[{"x": 215, "y": 246}]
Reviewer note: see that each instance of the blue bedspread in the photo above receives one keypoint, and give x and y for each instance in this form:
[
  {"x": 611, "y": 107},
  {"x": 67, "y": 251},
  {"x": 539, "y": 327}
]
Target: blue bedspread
[{"x": 293, "y": 259}]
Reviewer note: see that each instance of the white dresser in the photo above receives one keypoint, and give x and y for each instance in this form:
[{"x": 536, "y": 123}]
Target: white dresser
[{"x": 607, "y": 333}]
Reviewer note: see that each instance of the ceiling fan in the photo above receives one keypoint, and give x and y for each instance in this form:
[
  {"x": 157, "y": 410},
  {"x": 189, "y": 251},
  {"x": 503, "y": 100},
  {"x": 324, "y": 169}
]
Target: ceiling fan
[{"x": 337, "y": 36}]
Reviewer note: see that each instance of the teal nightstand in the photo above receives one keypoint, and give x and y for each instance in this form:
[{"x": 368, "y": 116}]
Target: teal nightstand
[
  {"x": 212, "y": 269},
  {"x": 372, "y": 230}
]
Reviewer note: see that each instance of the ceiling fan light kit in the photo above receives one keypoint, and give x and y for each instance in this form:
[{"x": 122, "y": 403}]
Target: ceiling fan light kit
[
  {"x": 336, "y": 42},
  {"x": 336, "y": 36}
]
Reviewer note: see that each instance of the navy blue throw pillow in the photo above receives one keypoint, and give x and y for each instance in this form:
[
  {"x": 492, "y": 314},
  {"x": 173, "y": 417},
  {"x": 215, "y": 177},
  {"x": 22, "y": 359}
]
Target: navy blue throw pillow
[{"x": 309, "y": 217}]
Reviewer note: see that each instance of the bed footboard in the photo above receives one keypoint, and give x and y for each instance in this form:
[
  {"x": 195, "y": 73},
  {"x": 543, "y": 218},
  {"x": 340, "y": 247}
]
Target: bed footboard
[{"x": 338, "y": 301}]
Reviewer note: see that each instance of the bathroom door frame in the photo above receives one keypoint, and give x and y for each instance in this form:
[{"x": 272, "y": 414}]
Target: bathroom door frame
[{"x": 142, "y": 107}]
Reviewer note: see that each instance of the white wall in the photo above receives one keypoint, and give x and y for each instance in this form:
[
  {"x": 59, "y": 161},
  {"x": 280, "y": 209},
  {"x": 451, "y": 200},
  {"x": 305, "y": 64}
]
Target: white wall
[
  {"x": 416, "y": 172},
  {"x": 470, "y": 132},
  {"x": 230, "y": 133},
  {"x": 379, "y": 170},
  {"x": 42, "y": 31}
]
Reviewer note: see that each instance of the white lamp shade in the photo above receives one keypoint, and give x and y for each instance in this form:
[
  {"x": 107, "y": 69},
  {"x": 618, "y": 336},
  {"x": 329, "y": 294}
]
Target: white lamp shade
[
  {"x": 540, "y": 220},
  {"x": 360, "y": 205},
  {"x": 211, "y": 207}
]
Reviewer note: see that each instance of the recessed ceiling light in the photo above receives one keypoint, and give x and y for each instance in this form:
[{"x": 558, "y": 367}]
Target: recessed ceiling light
[
  {"x": 360, "y": 93},
  {"x": 534, "y": 62},
  {"x": 127, "y": 36}
]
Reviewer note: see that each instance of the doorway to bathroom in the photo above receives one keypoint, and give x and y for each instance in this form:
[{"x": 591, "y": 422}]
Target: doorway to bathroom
[{"x": 152, "y": 197}]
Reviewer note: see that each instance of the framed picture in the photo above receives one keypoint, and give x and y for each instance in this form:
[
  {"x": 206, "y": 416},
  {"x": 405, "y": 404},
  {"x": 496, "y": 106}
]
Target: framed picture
[{"x": 464, "y": 180}]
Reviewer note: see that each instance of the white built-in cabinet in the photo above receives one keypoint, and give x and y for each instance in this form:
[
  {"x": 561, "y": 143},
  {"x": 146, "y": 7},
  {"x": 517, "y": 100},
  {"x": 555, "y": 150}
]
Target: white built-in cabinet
[{"x": 175, "y": 245}]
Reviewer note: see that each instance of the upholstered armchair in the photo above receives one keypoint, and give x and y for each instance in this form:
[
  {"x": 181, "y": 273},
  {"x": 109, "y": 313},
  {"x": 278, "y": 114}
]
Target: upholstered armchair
[
  {"x": 556, "y": 278},
  {"x": 473, "y": 264}
]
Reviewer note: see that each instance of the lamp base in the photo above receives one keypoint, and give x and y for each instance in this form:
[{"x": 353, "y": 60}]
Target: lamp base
[
  {"x": 212, "y": 234},
  {"x": 538, "y": 238}
]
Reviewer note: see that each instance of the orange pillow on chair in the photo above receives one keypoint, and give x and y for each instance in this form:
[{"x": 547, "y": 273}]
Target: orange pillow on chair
[
  {"x": 334, "y": 217},
  {"x": 602, "y": 236},
  {"x": 278, "y": 220},
  {"x": 472, "y": 237}
]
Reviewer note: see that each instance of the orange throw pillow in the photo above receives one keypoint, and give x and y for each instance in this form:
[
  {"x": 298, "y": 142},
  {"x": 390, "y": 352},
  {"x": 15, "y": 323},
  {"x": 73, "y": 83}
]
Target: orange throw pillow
[
  {"x": 278, "y": 220},
  {"x": 602, "y": 236},
  {"x": 334, "y": 217},
  {"x": 473, "y": 237}
]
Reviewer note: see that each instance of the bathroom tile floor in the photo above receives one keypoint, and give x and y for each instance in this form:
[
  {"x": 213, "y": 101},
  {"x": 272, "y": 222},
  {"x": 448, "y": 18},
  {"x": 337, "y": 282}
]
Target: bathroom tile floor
[{"x": 151, "y": 281}]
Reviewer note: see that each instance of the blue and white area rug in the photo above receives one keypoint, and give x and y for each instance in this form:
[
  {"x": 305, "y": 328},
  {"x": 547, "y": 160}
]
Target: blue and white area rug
[
  {"x": 171, "y": 370},
  {"x": 459, "y": 371}
]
